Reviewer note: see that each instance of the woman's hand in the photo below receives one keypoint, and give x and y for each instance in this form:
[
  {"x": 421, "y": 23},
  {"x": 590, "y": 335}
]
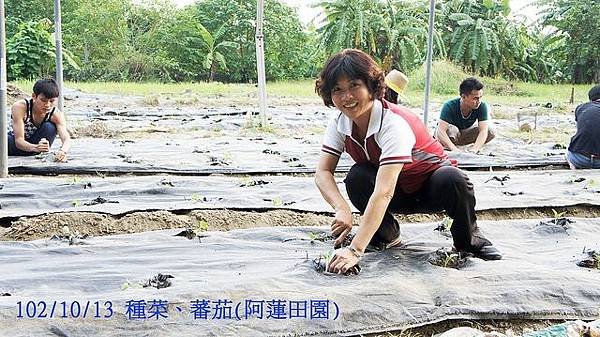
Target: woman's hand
[
  {"x": 341, "y": 226},
  {"x": 60, "y": 156},
  {"x": 343, "y": 260}
]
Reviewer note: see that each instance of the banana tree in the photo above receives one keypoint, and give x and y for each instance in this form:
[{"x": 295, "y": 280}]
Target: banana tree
[{"x": 214, "y": 57}]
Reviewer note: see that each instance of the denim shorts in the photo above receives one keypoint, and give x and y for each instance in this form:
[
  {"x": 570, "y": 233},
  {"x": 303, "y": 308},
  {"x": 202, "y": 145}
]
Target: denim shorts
[{"x": 583, "y": 161}]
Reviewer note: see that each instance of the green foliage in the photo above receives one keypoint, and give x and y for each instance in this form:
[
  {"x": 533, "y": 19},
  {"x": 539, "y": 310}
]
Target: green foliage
[
  {"x": 406, "y": 28},
  {"x": 477, "y": 34},
  {"x": 152, "y": 40},
  {"x": 30, "y": 52},
  {"x": 577, "y": 21},
  {"x": 445, "y": 78},
  {"x": 352, "y": 24},
  {"x": 96, "y": 32},
  {"x": 17, "y": 12},
  {"x": 287, "y": 51}
]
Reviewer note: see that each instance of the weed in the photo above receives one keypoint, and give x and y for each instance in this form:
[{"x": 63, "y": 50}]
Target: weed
[
  {"x": 76, "y": 203},
  {"x": 196, "y": 198}
]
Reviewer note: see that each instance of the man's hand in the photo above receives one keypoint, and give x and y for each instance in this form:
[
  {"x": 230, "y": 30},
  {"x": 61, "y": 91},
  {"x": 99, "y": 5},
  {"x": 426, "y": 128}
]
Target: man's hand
[
  {"x": 60, "y": 156},
  {"x": 473, "y": 149},
  {"x": 341, "y": 225},
  {"x": 42, "y": 146},
  {"x": 342, "y": 261}
]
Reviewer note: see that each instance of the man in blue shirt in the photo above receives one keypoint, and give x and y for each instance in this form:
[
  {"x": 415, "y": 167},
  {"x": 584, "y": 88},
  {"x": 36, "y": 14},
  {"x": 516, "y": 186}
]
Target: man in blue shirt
[
  {"x": 584, "y": 149},
  {"x": 457, "y": 120}
]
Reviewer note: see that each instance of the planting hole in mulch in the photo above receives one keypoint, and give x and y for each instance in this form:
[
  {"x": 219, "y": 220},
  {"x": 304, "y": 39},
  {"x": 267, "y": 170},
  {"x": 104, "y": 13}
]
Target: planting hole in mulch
[
  {"x": 321, "y": 262},
  {"x": 191, "y": 234},
  {"x": 448, "y": 258},
  {"x": 556, "y": 225},
  {"x": 73, "y": 237},
  {"x": 589, "y": 258},
  {"x": 159, "y": 281}
]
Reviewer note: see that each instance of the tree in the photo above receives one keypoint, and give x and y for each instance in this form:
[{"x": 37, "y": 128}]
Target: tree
[
  {"x": 19, "y": 11},
  {"x": 352, "y": 24},
  {"x": 406, "y": 33},
  {"x": 577, "y": 21},
  {"x": 214, "y": 57},
  {"x": 287, "y": 55},
  {"x": 31, "y": 51},
  {"x": 97, "y": 32}
]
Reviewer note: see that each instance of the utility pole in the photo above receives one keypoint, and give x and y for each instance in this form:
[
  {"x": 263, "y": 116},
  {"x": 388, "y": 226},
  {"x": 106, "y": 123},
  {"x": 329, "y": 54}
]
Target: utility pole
[
  {"x": 429, "y": 60},
  {"x": 3, "y": 89},
  {"x": 260, "y": 62},
  {"x": 59, "y": 61}
]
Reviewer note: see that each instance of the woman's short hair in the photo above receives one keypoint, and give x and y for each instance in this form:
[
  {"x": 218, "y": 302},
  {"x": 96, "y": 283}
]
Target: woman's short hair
[{"x": 355, "y": 64}]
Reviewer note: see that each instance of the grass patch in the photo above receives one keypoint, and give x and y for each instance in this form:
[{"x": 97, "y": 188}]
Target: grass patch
[{"x": 446, "y": 78}]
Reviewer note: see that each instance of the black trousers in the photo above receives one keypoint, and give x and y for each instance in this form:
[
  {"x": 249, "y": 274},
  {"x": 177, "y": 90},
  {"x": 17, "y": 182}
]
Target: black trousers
[
  {"x": 46, "y": 130},
  {"x": 447, "y": 188}
]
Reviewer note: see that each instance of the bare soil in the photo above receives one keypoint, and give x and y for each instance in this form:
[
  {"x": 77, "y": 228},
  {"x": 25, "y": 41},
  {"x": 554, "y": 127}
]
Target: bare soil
[
  {"x": 513, "y": 327},
  {"x": 98, "y": 224}
]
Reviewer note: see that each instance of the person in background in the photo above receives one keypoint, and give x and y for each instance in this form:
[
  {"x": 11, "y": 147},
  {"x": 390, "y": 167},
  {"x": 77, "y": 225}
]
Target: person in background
[
  {"x": 584, "y": 148},
  {"x": 398, "y": 166},
  {"x": 457, "y": 120},
  {"x": 396, "y": 82},
  {"x": 35, "y": 123}
]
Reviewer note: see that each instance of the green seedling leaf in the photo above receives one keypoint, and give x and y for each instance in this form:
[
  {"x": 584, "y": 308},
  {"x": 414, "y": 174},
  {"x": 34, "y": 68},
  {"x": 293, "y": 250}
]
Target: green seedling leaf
[
  {"x": 277, "y": 201},
  {"x": 591, "y": 184},
  {"x": 126, "y": 285},
  {"x": 196, "y": 198},
  {"x": 76, "y": 203},
  {"x": 201, "y": 226},
  {"x": 558, "y": 215},
  {"x": 246, "y": 181},
  {"x": 73, "y": 181},
  {"x": 313, "y": 236}
]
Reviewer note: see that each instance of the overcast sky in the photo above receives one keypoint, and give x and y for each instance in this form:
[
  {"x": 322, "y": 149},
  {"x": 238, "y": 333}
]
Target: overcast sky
[{"x": 307, "y": 13}]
